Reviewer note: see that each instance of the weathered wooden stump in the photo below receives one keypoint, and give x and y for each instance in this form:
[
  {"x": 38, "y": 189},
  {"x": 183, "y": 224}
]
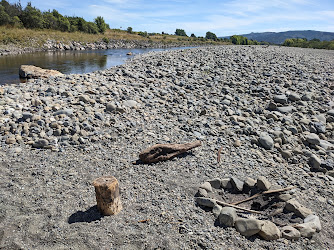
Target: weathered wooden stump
[{"x": 107, "y": 195}]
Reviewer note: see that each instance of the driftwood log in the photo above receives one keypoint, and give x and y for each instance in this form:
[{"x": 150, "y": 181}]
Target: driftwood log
[
  {"x": 164, "y": 152},
  {"x": 107, "y": 195}
]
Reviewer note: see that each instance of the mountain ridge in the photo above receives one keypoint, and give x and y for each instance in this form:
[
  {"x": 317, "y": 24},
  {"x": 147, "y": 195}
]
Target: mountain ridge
[{"x": 279, "y": 37}]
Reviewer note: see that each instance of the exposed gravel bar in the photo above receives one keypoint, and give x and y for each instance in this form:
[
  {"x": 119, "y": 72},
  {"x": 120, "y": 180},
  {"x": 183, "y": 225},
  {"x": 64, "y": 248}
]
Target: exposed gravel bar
[{"x": 271, "y": 109}]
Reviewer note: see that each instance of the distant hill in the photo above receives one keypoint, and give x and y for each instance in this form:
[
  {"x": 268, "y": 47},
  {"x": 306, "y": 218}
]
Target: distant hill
[{"x": 279, "y": 37}]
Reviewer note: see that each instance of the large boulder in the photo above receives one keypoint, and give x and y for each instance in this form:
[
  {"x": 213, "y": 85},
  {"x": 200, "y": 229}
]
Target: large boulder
[{"x": 31, "y": 71}]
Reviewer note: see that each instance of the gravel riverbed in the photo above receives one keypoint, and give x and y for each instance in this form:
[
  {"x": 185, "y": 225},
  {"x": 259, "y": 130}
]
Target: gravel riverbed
[{"x": 270, "y": 108}]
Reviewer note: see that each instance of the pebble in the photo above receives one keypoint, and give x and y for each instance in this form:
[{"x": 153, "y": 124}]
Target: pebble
[
  {"x": 130, "y": 104},
  {"x": 41, "y": 143},
  {"x": 294, "y": 97},
  {"x": 266, "y": 141},
  {"x": 314, "y": 162},
  {"x": 285, "y": 109},
  {"x": 281, "y": 99},
  {"x": 313, "y": 139}
]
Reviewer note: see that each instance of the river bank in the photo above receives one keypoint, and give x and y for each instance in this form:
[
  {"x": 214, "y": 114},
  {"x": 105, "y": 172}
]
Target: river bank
[
  {"x": 17, "y": 41},
  {"x": 53, "y": 45},
  {"x": 270, "y": 108}
]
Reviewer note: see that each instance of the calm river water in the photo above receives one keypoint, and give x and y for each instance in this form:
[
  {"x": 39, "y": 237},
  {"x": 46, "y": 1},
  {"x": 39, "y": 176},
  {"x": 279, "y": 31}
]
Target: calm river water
[{"x": 67, "y": 62}]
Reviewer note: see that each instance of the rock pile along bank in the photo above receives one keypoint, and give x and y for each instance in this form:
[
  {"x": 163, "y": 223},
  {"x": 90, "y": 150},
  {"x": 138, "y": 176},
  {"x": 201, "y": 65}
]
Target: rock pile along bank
[{"x": 270, "y": 108}]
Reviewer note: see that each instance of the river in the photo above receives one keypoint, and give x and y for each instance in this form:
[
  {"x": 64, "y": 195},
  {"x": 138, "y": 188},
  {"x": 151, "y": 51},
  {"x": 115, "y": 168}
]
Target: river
[{"x": 67, "y": 62}]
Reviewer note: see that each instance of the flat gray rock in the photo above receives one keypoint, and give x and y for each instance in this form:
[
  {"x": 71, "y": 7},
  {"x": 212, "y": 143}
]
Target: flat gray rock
[
  {"x": 263, "y": 184},
  {"x": 294, "y": 206},
  {"x": 313, "y": 139},
  {"x": 314, "y": 162},
  {"x": 281, "y": 99},
  {"x": 286, "y": 109},
  {"x": 248, "y": 227},
  {"x": 206, "y": 202},
  {"x": 237, "y": 184}
]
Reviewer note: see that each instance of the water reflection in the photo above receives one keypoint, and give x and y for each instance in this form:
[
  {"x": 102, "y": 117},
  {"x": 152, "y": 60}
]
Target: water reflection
[{"x": 67, "y": 62}]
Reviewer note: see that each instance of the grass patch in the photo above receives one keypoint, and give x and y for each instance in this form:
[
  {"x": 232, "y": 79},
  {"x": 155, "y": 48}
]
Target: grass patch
[{"x": 36, "y": 38}]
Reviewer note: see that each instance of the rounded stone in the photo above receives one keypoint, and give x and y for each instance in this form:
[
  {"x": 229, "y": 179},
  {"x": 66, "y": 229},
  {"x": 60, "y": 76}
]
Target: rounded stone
[
  {"x": 290, "y": 233},
  {"x": 266, "y": 141},
  {"x": 227, "y": 216},
  {"x": 263, "y": 184},
  {"x": 248, "y": 227},
  {"x": 206, "y": 202},
  {"x": 313, "y": 139},
  {"x": 207, "y": 186},
  {"x": 269, "y": 231}
]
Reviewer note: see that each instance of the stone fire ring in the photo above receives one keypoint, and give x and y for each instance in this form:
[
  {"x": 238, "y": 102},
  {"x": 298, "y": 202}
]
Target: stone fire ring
[{"x": 252, "y": 225}]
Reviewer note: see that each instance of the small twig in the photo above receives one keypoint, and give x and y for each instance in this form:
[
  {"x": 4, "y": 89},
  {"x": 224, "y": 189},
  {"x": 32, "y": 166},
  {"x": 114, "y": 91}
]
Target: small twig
[
  {"x": 143, "y": 221},
  {"x": 219, "y": 152},
  {"x": 237, "y": 207},
  {"x": 265, "y": 192}
]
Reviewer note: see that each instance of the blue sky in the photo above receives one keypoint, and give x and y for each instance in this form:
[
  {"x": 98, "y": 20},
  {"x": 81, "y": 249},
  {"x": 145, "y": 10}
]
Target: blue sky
[{"x": 224, "y": 18}]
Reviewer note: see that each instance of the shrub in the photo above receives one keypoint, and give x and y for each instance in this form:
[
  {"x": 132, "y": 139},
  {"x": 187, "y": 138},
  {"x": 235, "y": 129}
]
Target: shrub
[
  {"x": 180, "y": 32},
  {"x": 101, "y": 25}
]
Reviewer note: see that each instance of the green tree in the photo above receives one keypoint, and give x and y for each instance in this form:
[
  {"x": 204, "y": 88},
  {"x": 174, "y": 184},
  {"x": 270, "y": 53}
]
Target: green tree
[
  {"x": 211, "y": 36},
  {"x": 192, "y": 35},
  {"x": 180, "y": 32},
  {"x": 16, "y": 22},
  {"x": 82, "y": 25},
  {"x": 101, "y": 25},
  {"x": 143, "y": 34},
  {"x": 239, "y": 40},
  {"x": 4, "y": 17},
  {"x": 49, "y": 20},
  {"x": 92, "y": 28},
  {"x": 129, "y": 30},
  {"x": 32, "y": 17},
  {"x": 12, "y": 9}
]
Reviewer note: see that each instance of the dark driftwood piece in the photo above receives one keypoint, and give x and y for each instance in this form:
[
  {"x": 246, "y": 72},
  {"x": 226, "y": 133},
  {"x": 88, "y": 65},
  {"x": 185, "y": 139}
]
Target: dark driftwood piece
[
  {"x": 164, "y": 152},
  {"x": 237, "y": 207},
  {"x": 265, "y": 192},
  {"x": 107, "y": 195}
]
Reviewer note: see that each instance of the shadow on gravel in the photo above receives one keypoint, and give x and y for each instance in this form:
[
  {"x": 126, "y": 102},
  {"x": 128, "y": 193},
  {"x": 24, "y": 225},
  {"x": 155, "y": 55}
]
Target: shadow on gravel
[
  {"x": 139, "y": 162},
  {"x": 91, "y": 214}
]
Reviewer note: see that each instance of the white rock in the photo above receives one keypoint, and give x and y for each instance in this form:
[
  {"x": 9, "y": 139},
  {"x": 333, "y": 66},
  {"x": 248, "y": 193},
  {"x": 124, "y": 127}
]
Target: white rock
[{"x": 290, "y": 233}]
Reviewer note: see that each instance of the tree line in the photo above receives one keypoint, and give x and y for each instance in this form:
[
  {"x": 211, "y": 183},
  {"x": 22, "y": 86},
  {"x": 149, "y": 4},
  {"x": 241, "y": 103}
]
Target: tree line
[
  {"x": 304, "y": 43},
  {"x": 32, "y": 18},
  {"x": 238, "y": 40}
]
